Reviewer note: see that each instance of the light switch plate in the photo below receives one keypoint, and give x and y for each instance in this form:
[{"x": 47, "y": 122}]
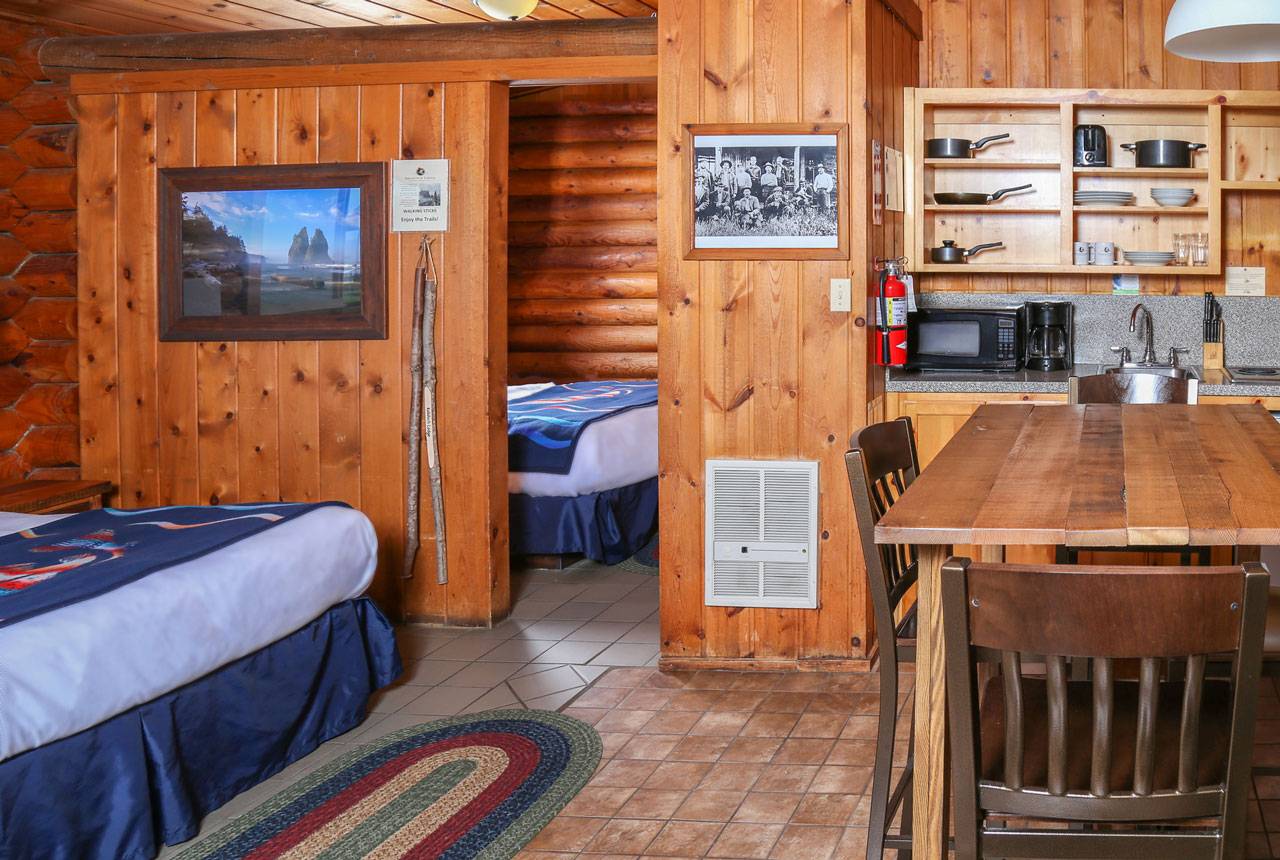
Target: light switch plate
[
  {"x": 1246, "y": 281},
  {"x": 841, "y": 295}
]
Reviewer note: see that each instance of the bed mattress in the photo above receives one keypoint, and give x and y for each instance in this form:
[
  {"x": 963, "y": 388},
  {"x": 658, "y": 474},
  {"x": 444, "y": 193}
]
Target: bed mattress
[
  {"x": 72, "y": 668},
  {"x": 613, "y": 452}
]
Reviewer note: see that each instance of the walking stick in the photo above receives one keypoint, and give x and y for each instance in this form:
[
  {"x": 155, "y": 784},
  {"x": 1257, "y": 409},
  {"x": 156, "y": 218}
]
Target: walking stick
[{"x": 422, "y": 414}]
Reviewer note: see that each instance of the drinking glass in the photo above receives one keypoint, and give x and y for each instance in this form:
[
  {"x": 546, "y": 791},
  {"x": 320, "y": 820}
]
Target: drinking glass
[
  {"x": 1200, "y": 249},
  {"x": 1181, "y": 249}
]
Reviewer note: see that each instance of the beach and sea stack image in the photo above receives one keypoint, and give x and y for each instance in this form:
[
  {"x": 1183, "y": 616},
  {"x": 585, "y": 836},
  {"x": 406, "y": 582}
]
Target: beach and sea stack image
[{"x": 280, "y": 251}]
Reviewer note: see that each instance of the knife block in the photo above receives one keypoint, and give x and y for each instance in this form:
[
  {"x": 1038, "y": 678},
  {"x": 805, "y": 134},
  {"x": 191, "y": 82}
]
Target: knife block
[{"x": 1212, "y": 356}]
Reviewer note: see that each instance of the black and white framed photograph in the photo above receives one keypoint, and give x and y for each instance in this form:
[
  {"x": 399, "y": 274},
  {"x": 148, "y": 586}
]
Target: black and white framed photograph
[{"x": 767, "y": 192}]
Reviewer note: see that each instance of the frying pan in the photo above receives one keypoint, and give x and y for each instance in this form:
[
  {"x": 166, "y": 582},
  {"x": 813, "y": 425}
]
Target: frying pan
[
  {"x": 958, "y": 147},
  {"x": 969, "y": 198}
]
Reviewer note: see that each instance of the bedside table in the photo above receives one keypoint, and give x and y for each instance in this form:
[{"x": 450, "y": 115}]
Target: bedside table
[{"x": 49, "y": 497}]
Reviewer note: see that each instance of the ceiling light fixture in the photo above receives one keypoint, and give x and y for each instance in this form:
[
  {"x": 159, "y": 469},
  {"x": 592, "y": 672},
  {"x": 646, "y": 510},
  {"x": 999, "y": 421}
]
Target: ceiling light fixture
[
  {"x": 506, "y": 10},
  {"x": 1224, "y": 31}
]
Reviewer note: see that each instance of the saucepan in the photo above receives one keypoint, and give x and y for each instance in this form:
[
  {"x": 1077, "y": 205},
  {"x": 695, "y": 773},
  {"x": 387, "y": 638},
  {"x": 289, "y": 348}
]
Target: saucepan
[
  {"x": 958, "y": 147},
  {"x": 967, "y": 198},
  {"x": 949, "y": 253},
  {"x": 1162, "y": 153}
]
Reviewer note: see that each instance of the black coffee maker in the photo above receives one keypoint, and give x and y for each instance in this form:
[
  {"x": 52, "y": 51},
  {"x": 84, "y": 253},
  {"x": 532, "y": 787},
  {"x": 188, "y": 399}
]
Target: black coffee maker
[{"x": 1050, "y": 335}]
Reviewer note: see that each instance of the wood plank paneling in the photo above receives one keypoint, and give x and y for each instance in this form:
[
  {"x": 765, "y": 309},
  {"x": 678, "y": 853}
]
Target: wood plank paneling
[
  {"x": 225, "y": 421},
  {"x": 1083, "y": 43},
  {"x": 754, "y": 363},
  {"x": 593, "y": 151}
]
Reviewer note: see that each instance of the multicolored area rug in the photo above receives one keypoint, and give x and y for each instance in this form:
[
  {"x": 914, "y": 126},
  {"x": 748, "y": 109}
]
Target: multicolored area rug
[{"x": 479, "y": 786}]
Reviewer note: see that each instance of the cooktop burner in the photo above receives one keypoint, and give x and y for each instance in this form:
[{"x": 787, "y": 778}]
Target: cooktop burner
[{"x": 1253, "y": 374}]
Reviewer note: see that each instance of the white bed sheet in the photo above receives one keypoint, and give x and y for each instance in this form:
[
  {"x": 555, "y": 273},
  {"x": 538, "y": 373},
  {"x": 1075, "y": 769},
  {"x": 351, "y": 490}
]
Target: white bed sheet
[
  {"x": 72, "y": 668},
  {"x": 612, "y": 452}
]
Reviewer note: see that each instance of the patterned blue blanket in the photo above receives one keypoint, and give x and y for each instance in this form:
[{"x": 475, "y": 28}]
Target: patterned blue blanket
[
  {"x": 88, "y": 554},
  {"x": 543, "y": 429}
]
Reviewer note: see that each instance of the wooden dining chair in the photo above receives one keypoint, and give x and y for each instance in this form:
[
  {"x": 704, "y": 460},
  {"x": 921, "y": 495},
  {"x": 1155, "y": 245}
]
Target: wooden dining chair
[
  {"x": 1151, "y": 768},
  {"x": 882, "y": 462},
  {"x": 1131, "y": 388}
]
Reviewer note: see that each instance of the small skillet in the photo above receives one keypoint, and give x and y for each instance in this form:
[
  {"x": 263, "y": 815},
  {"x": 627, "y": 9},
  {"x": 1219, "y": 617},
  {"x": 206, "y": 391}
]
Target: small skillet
[
  {"x": 967, "y": 198},
  {"x": 958, "y": 147}
]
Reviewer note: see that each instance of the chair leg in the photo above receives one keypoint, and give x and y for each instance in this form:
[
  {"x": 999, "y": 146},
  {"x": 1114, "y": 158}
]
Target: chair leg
[
  {"x": 908, "y": 792},
  {"x": 882, "y": 774}
]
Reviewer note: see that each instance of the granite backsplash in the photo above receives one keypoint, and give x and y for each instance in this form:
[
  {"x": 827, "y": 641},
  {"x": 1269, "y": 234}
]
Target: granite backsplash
[{"x": 1252, "y": 323}]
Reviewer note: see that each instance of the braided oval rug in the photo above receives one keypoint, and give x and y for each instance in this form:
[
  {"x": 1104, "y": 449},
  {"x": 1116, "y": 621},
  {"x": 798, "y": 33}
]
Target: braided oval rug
[{"x": 479, "y": 786}]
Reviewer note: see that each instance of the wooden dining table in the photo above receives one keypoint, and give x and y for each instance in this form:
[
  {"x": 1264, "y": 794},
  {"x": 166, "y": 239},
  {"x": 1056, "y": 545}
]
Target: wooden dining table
[{"x": 1079, "y": 476}]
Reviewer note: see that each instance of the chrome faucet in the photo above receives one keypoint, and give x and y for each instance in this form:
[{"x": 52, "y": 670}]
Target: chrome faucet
[{"x": 1149, "y": 353}]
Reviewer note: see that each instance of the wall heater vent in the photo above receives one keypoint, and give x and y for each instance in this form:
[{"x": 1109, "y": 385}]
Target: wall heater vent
[{"x": 761, "y": 533}]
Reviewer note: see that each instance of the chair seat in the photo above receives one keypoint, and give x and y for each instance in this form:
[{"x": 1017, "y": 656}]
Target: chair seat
[
  {"x": 1271, "y": 641},
  {"x": 1215, "y": 738},
  {"x": 905, "y": 634}
]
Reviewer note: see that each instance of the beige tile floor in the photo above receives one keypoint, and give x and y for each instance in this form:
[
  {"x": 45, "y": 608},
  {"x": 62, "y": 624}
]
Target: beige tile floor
[{"x": 566, "y": 629}]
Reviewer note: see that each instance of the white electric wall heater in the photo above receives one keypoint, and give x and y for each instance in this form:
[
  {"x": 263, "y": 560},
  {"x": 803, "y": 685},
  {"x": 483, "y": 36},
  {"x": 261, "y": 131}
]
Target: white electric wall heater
[{"x": 761, "y": 533}]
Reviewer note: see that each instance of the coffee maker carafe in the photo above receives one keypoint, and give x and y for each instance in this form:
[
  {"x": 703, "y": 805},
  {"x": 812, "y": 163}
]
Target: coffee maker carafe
[{"x": 1050, "y": 335}]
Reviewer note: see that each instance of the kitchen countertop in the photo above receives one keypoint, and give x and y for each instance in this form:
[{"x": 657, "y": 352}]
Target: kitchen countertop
[{"x": 1212, "y": 382}]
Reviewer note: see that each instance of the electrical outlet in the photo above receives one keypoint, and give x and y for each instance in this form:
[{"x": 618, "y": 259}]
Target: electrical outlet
[{"x": 841, "y": 295}]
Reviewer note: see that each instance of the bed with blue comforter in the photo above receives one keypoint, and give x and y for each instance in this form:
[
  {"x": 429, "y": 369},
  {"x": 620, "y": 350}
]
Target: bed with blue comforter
[
  {"x": 155, "y": 663},
  {"x": 583, "y": 468}
]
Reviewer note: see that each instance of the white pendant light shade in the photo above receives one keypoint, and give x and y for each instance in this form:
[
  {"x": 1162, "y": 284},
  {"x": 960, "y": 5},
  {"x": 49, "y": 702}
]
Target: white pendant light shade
[
  {"x": 506, "y": 10},
  {"x": 1224, "y": 31}
]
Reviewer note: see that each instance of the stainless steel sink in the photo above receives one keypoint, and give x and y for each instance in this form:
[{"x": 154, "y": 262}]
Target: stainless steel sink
[{"x": 1155, "y": 370}]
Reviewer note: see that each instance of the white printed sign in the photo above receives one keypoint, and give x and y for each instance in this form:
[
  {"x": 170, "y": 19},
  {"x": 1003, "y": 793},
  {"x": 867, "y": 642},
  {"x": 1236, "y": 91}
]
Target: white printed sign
[{"x": 420, "y": 195}]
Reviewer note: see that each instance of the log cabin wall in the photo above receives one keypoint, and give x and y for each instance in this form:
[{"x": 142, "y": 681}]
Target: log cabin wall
[
  {"x": 38, "y": 408},
  {"x": 583, "y": 282},
  {"x": 198, "y": 423},
  {"x": 753, "y": 362},
  {"x": 1092, "y": 43}
]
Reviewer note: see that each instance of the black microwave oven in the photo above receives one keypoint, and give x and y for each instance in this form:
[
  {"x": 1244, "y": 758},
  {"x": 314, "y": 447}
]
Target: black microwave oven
[{"x": 965, "y": 339}]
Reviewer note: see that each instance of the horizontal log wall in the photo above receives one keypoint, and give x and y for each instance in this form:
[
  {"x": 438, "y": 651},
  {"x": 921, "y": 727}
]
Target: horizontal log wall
[
  {"x": 217, "y": 422},
  {"x": 583, "y": 233},
  {"x": 38, "y": 396}
]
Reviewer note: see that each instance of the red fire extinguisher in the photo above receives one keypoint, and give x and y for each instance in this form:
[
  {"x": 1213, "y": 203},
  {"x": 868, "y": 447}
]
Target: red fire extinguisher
[{"x": 891, "y": 313}]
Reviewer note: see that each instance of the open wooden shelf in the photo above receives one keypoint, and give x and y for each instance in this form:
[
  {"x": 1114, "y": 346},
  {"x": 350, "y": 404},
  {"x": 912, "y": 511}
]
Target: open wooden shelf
[
  {"x": 990, "y": 164},
  {"x": 1042, "y": 123},
  {"x": 993, "y": 209},
  {"x": 1141, "y": 171},
  {"x": 1142, "y": 210}
]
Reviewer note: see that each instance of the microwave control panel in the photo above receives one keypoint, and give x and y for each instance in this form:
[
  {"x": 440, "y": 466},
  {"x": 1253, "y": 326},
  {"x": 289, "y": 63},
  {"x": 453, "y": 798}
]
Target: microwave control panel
[{"x": 1006, "y": 339}]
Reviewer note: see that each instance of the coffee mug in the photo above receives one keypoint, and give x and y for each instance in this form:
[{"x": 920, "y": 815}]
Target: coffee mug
[
  {"x": 1104, "y": 254},
  {"x": 1082, "y": 253}
]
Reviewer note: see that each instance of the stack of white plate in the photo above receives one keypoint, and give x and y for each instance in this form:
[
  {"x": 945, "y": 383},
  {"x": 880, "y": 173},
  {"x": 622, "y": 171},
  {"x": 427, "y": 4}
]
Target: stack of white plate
[
  {"x": 1104, "y": 198},
  {"x": 1149, "y": 258},
  {"x": 1173, "y": 196}
]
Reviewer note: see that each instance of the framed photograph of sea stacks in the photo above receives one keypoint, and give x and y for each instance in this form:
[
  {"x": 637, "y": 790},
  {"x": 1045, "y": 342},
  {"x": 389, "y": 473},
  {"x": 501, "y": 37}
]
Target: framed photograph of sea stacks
[
  {"x": 767, "y": 192},
  {"x": 281, "y": 252}
]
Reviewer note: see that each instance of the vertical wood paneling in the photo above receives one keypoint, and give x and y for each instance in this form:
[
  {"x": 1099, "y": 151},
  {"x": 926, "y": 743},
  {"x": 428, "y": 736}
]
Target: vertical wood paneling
[
  {"x": 135, "y": 305},
  {"x": 339, "y": 360},
  {"x": 298, "y": 361},
  {"x": 1075, "y": 44},
  {"x": 176, "y": 385},
  {"x": 258, "y": 436},
  {"x": 218, "y": 422},
  {"x": 217, "y": 388},
  {"x": 96, "y": 316},
  {"x": 753, "y": 361}
]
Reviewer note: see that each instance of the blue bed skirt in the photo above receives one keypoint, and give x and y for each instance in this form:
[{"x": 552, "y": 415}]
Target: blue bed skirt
[
  {"x": 608, "y": 526},
  {"x": 147, "y": 776}
]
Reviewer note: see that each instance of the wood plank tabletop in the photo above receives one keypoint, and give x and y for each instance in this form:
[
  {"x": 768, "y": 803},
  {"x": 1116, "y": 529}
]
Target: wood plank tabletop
[{"x": 1099, "y": 475}]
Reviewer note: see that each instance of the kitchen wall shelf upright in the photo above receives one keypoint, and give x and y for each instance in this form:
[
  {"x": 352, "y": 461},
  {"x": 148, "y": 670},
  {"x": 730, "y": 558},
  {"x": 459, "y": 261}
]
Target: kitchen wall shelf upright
[{"x": 1241, "y": 128}]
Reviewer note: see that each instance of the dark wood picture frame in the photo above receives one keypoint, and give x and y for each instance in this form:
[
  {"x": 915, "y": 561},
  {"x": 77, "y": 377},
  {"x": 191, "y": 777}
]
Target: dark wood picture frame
[
  {"x": 843, "y": 183},
  {"x": 369, "y": 324}
]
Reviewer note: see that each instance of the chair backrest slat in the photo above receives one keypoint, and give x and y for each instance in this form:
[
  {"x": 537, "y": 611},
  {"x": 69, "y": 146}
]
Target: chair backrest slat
[
  {"x": 1144, "y": 746},
  {"x": 1103, "y": 726},
  {"x": 1014, "y": 738},
  {"x": 1056, "y": 684},
  {"x": 1189, "y": 730}
]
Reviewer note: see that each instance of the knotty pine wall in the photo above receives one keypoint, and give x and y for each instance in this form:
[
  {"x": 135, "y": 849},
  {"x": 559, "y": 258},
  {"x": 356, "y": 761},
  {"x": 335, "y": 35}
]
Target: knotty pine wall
[
  {"x": 753, "y": 362},
  {"x": 38, "y": 405},
  {"x": 583, "y": 281},
  {"x": 201, "y": 423},
  {"x": 1092, "y": 43}
]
